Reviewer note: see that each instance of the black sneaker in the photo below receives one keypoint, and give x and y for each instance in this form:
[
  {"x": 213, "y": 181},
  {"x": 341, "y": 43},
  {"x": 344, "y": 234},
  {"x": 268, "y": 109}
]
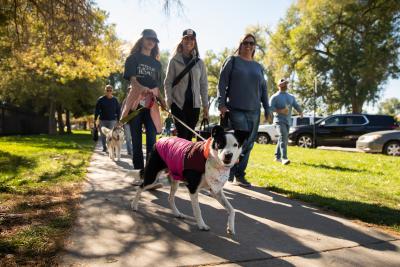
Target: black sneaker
[{"x": 242, "y": 182}]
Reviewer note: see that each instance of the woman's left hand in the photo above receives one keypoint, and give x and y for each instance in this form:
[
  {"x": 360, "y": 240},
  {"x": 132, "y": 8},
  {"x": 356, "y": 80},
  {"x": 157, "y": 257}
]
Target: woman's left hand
[
  {"x": 155, "y": 91},
  {"x": 205, "y": 113}
]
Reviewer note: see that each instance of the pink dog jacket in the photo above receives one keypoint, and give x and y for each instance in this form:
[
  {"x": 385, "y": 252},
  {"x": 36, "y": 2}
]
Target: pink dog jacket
[{"x": 180, "y": 154}]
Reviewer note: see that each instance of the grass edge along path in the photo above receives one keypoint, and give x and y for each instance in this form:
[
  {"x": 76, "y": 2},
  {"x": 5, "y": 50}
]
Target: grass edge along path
[
  {"x": 359, "y": 186},
  {"x": 40, "y": 183}
]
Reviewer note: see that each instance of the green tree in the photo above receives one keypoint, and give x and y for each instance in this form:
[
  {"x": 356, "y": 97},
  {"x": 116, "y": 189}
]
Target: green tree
[
  {"x": 390, "y": 106},
  {"x": 49, "y": 46},
  {"x": 351, "y": 46}
]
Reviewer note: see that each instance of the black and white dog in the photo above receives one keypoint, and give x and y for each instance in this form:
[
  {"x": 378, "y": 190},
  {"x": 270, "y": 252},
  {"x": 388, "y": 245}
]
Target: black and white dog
[
  {"x": 115, "y": 137},
  {"x": 199, "y": 165}
]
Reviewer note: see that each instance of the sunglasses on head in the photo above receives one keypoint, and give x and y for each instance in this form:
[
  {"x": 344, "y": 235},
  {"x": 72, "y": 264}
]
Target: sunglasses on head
[{"x": 248, "y": 43}]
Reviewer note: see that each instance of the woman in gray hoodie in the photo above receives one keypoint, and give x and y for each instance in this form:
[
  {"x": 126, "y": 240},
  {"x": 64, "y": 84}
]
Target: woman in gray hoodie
[{"x": 186, "y": 96}]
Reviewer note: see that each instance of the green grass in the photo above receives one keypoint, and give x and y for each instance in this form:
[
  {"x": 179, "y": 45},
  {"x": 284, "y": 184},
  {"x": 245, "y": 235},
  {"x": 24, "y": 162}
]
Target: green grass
[
  {"x": 356, "y": 185},
  {"x": 39, "y": 189}
]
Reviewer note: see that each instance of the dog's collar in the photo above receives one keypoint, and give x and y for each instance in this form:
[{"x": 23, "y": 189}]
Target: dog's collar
[{"x": 207, "y": 146}]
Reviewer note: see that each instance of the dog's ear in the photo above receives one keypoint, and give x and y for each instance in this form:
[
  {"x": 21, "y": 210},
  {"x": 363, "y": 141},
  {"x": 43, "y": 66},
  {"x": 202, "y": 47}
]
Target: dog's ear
[
  {"x": 217, "y": 131},
  {"x": 241, "y": 136}
]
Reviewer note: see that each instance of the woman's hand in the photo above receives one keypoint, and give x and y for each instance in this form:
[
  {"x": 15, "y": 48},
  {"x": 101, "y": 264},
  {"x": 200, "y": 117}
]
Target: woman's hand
[
  {"x": 205, "y": 112},
  {"x": 223, "y": 110},
  {"x": 162, "y": 103},
  {"x": 155, "y": 91}
]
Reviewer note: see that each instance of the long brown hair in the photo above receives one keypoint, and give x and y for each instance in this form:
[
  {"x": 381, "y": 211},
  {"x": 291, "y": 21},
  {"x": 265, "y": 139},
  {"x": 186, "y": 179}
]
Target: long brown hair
[
  {"x": 237, "y": 52},
  {"x": 137, "y": 48},
  {"x": 179, "y": 48}
]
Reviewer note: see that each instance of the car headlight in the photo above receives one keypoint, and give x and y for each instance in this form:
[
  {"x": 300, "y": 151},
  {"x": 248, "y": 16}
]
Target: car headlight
[
  {"x": 369, "y": 138},
  {"x": 291, "y": 129}
]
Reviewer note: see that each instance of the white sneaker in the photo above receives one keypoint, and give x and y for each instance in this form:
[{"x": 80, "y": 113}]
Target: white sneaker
[
  {"x": 277, "y": 160},
  {"x": 285, "y": 161}
]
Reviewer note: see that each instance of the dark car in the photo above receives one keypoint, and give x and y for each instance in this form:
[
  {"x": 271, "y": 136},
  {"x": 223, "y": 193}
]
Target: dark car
[{"x": 340, "y": 130}]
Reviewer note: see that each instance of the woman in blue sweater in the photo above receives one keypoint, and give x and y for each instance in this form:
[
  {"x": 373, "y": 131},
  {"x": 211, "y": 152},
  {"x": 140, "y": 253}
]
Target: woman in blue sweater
[{"x": 241, "y": 89}]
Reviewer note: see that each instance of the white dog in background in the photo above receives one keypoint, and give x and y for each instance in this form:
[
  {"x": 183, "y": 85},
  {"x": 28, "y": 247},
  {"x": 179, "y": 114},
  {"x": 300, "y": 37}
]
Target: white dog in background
[{"x": 114, "y": 140}]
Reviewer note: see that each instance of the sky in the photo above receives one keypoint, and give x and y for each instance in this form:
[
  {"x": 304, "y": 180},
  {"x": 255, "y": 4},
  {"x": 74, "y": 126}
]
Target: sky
[{"x": 218, "y": 23}]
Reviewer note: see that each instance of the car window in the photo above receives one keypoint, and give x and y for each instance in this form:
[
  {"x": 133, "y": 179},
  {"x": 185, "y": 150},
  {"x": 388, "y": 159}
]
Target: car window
[
  {"x": 303, "y": 121},
  {"x": 381, "y": 120},
  {"x": 317, "y": 119},
  {"x": 354, "y": 120},
  {"x": 332, "y": 121}
]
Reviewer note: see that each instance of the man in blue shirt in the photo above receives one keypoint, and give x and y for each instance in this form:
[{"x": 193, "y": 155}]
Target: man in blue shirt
[
  {"x": 281, "y": 104},
  {"x": 107, "y": 108}
]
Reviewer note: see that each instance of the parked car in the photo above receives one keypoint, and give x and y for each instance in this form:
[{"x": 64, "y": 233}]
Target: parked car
[
  {"x": 387, "y": 142},
  {"x": 267, "y": 133},
  {"x": 305, "y": 120},
  {"x": 340, "y": 130}
]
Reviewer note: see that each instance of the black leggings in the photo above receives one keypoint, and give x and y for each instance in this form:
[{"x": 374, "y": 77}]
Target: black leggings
[{"x": 189, "y": 115}]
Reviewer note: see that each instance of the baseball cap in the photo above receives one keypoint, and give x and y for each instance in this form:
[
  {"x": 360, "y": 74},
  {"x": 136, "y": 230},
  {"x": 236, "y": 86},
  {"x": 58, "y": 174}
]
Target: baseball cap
[
  {"x": 189, "y": 32},
  {"x": 149, "y": 33},
  {"x": 283, "y": 81}
]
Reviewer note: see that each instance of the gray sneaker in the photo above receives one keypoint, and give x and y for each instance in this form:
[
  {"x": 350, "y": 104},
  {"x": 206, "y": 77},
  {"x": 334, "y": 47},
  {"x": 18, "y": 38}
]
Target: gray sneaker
[
  {"x": 242, "y": 182},
  {"x": 285, "y": 162},
  {"x": 277, "y": 160}
]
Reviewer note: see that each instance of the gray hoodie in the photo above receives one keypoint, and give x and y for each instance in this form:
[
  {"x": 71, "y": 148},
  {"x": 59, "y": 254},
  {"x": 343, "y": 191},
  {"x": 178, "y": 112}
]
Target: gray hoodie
[{"x": 176, "y": 94}]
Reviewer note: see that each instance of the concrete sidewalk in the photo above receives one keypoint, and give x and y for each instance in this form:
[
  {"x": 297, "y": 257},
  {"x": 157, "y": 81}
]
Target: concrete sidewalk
[{"x": 271, "y": 229}]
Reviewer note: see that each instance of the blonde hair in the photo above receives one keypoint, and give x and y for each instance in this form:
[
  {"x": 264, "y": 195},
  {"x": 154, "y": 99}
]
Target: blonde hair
[
  {"x": 179, "y": 49},
  {"x": 137, "y": 48},
  {"x": 108, "y": 86},
  {"x": 244, "y": 37}
]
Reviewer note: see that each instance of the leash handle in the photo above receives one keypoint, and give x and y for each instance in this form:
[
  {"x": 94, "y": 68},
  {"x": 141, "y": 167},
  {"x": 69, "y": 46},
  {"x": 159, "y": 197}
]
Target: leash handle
[
  {"x": 184, "y": 124},
  {"x": 130, "y": 116}
]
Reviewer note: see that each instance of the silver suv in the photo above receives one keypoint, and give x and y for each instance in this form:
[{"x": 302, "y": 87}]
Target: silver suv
[{"x": 267, "y": 133}]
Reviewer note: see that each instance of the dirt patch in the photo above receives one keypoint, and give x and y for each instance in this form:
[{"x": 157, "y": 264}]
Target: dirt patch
[{"x": 33, "y": 225}]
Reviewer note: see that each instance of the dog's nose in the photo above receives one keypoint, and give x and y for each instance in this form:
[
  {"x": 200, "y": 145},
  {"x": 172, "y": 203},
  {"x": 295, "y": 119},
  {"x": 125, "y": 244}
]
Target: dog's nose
[{"x": 228, "y": 156}]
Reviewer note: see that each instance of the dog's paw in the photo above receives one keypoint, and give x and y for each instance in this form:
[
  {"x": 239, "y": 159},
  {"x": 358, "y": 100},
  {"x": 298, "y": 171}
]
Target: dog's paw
[
  {"x": 180, "y": 216},
  {"x": 204, "y": 227},
  {"x": 230, "y": 231}
]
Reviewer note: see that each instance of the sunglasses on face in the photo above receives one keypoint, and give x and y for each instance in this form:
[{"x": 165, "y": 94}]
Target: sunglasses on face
[
  {"x": 151, "y": 39},
  {"x": 109, "y": 90},
  {"x": 245, "y": 43},
  {"x": 189, "y": 38}
]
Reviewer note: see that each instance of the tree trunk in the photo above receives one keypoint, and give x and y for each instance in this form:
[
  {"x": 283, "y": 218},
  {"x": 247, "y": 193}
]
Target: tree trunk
[
  {"x": 52, "y": 121},
  {"x": 356, "y": 105},
  {"x": 60, "y": 120},
  {"x": 68, "y": 121}
]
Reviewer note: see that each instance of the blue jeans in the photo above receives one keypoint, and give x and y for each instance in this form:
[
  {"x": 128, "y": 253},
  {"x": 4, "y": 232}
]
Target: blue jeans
[
  {"x": 128, "y": 138},
  {"x": 281, "y": 146},
  {"x": 109, "y": 125},
  {"x": 246, "y": 121},
  {"x": 143, "y": 118}
]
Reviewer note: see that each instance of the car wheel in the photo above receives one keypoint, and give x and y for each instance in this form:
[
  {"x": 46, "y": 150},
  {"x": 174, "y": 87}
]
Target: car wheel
[
  {"x": 263, "y": 138},
  {"x": 305, "y": 140},
  {"x": 392, "y": 148}
]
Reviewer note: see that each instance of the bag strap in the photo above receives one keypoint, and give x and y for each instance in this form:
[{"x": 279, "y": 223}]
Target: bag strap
[
  {"x": 204, "y": 123},
  {"x": 185, "y": 71},
  {"x": 230, "y": 78}
]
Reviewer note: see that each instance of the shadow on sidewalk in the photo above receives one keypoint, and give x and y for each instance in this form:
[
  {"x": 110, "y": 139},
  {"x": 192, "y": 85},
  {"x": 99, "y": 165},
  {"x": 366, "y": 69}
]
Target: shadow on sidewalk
[{"x": 268, "y": 226}]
